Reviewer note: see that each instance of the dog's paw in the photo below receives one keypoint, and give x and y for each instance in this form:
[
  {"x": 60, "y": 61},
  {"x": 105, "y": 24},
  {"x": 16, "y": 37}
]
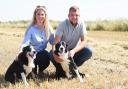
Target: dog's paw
[
  {"x": 26, "y": 84},
  {"x": 82, "y": 75},
  {"x": 69, "y": 76}
]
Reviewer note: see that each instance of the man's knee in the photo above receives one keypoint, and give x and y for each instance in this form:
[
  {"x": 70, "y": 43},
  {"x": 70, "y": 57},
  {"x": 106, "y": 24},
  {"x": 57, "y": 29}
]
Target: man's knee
[{"x": 87, "y": 54}]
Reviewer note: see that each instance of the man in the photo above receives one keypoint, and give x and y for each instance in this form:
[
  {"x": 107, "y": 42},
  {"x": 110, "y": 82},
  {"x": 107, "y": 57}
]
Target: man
[{"x": 74, "y": 33}]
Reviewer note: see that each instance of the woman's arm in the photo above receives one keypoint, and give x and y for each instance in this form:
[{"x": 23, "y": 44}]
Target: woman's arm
[{"x": 26, "y": 40}]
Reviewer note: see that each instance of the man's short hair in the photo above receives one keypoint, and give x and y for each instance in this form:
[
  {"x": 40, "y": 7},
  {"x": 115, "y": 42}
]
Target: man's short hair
[{"x": 74, "y": 8}]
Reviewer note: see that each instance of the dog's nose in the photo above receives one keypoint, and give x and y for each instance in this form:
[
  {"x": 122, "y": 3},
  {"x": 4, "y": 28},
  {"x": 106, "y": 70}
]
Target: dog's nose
[
  {"x": 34, "y": 52},
  {"x": 61, "y": 49}
]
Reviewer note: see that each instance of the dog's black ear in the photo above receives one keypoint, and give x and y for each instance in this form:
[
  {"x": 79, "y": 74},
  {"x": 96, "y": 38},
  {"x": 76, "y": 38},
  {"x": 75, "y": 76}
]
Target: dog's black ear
[
  {"x": 57, "y": 46},
  {"x": 56, "y": 53},
  {"x": 26, "y": 48}
]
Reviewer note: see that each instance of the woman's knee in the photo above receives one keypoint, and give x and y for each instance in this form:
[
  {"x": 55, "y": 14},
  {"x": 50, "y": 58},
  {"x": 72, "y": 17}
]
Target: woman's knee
[
  {"x": 43, "y": 65},
  {"x": 42, "y": 60}
]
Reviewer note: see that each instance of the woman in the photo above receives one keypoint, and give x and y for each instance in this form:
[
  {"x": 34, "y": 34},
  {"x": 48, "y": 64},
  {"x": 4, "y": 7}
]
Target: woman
[{"x": 39, "y": 34}]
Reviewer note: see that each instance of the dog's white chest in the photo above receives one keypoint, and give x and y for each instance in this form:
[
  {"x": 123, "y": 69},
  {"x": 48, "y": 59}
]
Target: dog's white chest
[{"x": 27, "y": 69}]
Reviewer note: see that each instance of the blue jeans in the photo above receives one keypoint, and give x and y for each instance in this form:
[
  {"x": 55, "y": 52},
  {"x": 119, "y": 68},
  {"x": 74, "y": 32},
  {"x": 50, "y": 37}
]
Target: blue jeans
[
  {"x": 82, "y": 56},
  {"x": 79, "y": 58}
]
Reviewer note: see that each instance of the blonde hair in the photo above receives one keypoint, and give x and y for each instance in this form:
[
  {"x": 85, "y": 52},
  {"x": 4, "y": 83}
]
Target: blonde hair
[{"x": 46, "y": 23}]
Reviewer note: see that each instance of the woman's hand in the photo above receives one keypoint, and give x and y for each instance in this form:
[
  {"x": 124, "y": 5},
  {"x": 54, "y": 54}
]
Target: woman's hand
[{"x": 57, "y": 58}]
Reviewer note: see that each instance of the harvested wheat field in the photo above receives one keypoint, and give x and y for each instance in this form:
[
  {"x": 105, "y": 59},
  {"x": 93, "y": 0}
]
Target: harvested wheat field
[{"x": 107, "y": 69}]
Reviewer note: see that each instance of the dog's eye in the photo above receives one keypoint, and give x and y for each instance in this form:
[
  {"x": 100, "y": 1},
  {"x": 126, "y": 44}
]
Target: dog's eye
[{"x": 63, "y": 43}]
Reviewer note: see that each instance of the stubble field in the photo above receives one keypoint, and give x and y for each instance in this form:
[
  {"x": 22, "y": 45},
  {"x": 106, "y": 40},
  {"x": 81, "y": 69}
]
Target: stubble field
[{"x": 107, "y": 69}]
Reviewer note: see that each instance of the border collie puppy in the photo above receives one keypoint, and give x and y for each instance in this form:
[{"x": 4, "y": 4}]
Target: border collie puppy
[
  {"x": 61, "y": 50},
  {"x": 22, "y": 66}
]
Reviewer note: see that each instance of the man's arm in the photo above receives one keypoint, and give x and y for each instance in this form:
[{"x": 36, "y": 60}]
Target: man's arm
[{"x": 81, "y": 45}]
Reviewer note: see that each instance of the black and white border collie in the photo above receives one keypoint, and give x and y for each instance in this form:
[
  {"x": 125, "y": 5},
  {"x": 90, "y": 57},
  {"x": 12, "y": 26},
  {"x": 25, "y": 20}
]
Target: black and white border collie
[
  {"x": 22, "y": 66},
  {"x": 61, "y": 49}
]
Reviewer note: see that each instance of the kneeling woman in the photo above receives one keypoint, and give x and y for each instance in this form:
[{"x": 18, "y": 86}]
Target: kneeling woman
[{"x": 39, "y": 34}]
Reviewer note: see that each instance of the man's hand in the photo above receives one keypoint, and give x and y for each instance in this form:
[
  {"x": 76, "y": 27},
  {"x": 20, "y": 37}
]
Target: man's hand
[
  {"x": 71, "y": 53},
  {"x": 57, "y": 58}
]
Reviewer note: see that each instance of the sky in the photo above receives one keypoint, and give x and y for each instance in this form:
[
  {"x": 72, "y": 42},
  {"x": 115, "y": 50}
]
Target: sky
[{"x": 13, "y": 10}]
